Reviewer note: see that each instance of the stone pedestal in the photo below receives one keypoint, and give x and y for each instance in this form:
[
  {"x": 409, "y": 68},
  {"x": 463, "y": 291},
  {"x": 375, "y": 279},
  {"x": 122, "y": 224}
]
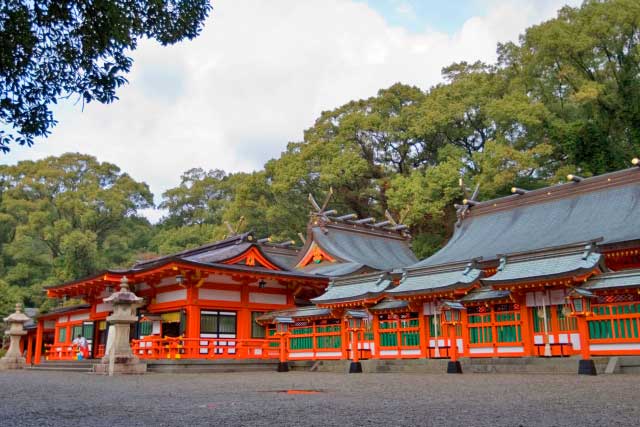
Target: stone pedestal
[
  {"x": 454, "y": 367},
  {"x": 13, "y": 359},
  {"x": 118, "y": 357}
]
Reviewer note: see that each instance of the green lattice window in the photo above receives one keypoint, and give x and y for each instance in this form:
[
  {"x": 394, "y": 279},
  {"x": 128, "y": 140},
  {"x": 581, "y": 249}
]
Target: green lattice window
[
  {"x": 566, "y": 322},
  {"x": 297, "y": 342},
  {"x": 612, "y": 327},
  {"x": 257, "y": 330},
  {"x": 62, "y": 335},
  {"x": 329, "y": 341},
  {"x": 480, "y": 331},
  {"x": 76, "y": 331},
  {"x": 435, "y": 329},
  {"x": 145, "y": 328},
  {"x": 508, "y": 333}
]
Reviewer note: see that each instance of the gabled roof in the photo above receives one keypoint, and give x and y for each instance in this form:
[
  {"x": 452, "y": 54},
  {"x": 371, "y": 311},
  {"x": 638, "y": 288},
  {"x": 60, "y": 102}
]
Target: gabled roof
[
  {"x": 334, "y": 269},
  {"x": 228, "y": 249},
  {"x": 545, "y": 266},
  {"x": 354, "y": 289},
  {"x": 604, "y": 207},
  {"x": 356, "y": 247},
  {"x": 295, "y": 313},
  {"x": 390, "y": 304},
  {"x": 427, "y": 281},
  {"x": 485, "y": 294},
  {"x": 614, "y": 280}
]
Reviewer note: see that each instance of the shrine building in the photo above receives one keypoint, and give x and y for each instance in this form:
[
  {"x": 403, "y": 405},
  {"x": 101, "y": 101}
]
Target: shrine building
[{"x": 510, "y": 272}]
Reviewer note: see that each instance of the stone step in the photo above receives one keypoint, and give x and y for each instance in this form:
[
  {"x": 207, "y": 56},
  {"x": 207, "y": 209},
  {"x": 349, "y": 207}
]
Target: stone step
[
  {"x": 63, "y": 364},
  {"x": 204, "y": 366},
  {"x": 200, "y": 368},
  {"x": 58, "y": 368},
  {"x": 629, "y": 361}
]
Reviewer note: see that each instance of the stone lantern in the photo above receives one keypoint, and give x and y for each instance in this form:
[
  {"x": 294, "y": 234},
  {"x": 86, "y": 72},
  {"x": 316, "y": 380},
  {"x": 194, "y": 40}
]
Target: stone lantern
[
  {"x": 119, "y": 358},
  {"x": 13, "y": 359}
]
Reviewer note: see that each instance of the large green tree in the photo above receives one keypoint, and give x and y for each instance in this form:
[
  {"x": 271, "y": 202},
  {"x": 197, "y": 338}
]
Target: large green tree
[
  {"x": 51, "y": 49},
  {"x": 584, "y": 67},
  {"x": 65, "y": 217}
]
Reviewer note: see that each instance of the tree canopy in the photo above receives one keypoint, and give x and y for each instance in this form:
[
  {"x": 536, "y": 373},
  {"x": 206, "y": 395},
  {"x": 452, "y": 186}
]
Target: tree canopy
[
  {"x": 564, "y": 98},
  {"x": 66, "y": 217},
  {"x": 51, "y": 49}
]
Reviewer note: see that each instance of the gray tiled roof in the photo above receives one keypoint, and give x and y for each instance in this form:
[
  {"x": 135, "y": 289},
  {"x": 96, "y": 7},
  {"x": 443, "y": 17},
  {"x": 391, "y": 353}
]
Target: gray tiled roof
[
  {"x": 333, "y": 269},
  {"x": 618, "y": 279},
  {"x": 429, "y": 281},
  {"x": 354, "y": 289},
  {"x": 228, "y": 248},
  {"x": 610, "y": 213},
  {"x": 485, "y": 294},
  {"x": 389, "y": 304},
  {"x": 297, "y": 312},
  {"x": 547, "y": 266},
  {"x": 371, "y": 250}
]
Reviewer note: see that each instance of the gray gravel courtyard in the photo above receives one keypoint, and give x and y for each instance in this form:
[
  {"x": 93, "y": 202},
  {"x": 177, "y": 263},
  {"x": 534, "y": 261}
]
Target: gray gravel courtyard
[{"x": 257, "y": 399}]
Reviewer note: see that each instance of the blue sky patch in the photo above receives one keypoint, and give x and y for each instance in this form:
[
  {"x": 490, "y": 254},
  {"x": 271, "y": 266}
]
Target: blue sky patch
[{"x": 419, "y": 15}]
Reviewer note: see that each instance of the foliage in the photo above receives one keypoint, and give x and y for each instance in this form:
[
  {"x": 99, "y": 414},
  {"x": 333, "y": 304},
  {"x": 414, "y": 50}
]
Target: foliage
[
  {"x": 52, "y": 49},
  {"x": 564, "y": 98},
  {"x": 9, "y": 296},
  {"x": 67, "y": 217},
  {"x": 197, "y": 200}
]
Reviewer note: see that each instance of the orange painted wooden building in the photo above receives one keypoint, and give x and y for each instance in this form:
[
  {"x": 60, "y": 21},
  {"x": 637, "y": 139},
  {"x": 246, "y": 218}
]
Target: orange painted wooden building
[{"x": 512, "y": 264}]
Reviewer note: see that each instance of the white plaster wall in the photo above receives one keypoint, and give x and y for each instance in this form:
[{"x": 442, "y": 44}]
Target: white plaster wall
[
  {"x": 178, "y": 295},
  {"x": 219, "y": 295},
  {"x": 262, "y": 298}
]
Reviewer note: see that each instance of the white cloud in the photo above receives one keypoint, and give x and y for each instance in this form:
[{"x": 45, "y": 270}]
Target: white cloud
[{"x": 261, "y": 73}]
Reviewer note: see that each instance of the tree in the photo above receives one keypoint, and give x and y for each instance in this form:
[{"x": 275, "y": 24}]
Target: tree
[
  {"x": 52, "y": 49},
  {"x": 584, "y": 66},
  {"x": 67, "y": 217},
  {"x": 199, "y": 199}
]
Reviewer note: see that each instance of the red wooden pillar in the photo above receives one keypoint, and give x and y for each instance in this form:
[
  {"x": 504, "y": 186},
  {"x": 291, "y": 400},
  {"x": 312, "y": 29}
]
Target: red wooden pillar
[
  {"x": 423, "y": 334},
  {"x": 354, "y": 346},
  {"x": 39, "y": 335},
  {"x": 29, "y": 348},
  {"x": 243, "y": 331},
  {"x": 526, "y": 327},
  {"x": 376, "y": 335},
  {"x": 584, "y": 337},
  {"x": 453, "y": 345},
  {"x": 464, "y": 329},
  {"x": 345, "y": 338}
]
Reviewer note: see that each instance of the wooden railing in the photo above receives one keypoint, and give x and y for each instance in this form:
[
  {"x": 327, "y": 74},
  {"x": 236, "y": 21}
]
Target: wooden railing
[
  {"x": 99, "y": 351},
  {"x": 203, "y": 348},
  {"x": 61, "y": 352}
]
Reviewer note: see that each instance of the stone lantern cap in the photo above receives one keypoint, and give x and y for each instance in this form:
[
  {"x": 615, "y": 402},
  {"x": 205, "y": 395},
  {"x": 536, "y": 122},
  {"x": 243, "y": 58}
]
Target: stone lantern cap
[
  {"x": 124, "y": 295},
  {"x": 18, "y": 316}
]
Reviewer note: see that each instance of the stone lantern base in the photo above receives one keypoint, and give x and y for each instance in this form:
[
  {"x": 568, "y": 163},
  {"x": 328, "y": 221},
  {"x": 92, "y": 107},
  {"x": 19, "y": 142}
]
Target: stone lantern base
[
  {"x": 12, "y": 362},
  {"x": 123, "y": 365}
]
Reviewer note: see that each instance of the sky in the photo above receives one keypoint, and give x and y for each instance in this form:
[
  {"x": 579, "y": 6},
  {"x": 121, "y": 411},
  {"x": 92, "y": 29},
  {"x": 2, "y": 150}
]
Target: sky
[{"x": 262, "y": 72}]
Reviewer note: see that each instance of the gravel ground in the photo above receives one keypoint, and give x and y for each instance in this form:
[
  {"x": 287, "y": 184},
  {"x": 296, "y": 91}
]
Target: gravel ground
[{"x": 257, "y": 399}]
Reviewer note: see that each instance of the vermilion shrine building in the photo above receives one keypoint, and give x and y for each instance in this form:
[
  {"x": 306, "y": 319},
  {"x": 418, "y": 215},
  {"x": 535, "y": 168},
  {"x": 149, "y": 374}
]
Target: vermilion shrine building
[{"x": 511, "y": 263}]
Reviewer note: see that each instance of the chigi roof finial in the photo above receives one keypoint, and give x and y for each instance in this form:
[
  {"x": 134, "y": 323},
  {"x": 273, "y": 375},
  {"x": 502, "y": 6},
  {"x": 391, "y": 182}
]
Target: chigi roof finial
[{"x": 463, "y": 209}]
